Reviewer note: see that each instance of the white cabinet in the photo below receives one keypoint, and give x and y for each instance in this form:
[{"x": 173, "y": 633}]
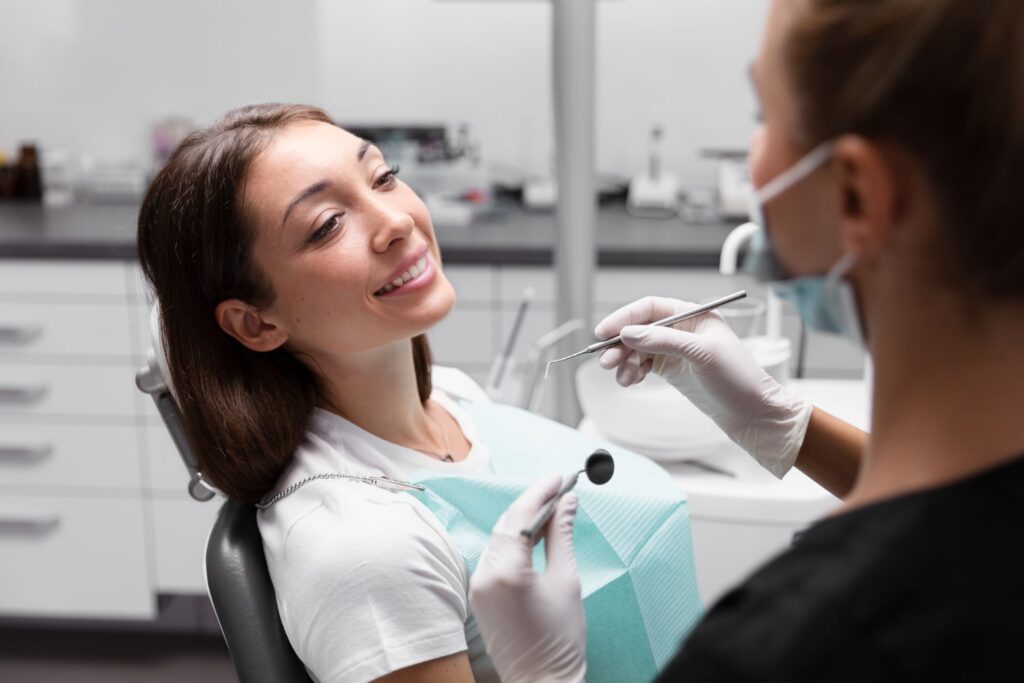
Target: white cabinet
[
  {"x": 74, "y": 556},
  {"x": 51, "y": 455},
  {"x": 72, "y": 515},
  {"x": 76, "y": 511}
]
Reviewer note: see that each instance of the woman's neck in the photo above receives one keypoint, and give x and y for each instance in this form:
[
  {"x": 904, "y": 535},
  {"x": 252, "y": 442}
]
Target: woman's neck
[
  {"x": 378, "y": 391},
  {"x": 949, "y": 383}
]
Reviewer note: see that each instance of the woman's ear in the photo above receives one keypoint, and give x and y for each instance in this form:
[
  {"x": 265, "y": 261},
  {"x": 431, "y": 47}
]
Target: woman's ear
[
  {"x": 252, "y": 330},
  {"x": 869, "y": 191}
]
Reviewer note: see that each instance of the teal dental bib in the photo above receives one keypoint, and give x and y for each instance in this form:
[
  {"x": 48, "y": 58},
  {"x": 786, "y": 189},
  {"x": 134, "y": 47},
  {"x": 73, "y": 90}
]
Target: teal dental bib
[{"x": 632, "y": 535}]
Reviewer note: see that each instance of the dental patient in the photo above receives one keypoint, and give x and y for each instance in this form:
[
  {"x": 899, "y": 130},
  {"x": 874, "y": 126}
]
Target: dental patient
[{"x": 296, "y": 277}]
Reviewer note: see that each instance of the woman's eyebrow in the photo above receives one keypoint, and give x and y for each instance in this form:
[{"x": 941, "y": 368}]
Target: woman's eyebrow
[
  {"x": 321, "y": 185},
  {"x": 303, "y": 196}
]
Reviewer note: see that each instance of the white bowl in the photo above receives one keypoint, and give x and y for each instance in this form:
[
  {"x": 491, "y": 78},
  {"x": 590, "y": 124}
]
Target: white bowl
[{"x": 652, "y": 415}]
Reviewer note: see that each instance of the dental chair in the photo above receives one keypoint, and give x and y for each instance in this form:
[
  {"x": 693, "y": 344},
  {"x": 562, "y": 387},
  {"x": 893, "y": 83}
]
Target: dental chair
[{"x": 237, "y": 579}]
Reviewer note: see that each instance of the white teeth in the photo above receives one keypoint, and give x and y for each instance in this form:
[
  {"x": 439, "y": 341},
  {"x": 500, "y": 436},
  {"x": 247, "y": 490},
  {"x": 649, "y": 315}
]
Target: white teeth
[{"x": 415, "y": 270}]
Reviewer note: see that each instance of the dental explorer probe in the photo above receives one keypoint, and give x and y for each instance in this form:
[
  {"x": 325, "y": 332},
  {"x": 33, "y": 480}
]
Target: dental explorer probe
[
  {"x": 665, "y": 322},
  {"x": 599, "y": 468}
]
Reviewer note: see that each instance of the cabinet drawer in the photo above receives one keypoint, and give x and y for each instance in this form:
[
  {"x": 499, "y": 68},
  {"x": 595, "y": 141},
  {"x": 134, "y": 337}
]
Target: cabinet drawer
[
  {"x": 181, "y": 527},
  {"x": 36, "y": 389},
  {"x": 69, "y": 455},
  {"x": 73, "y": 557},
  {"x": 65, "y": 329},
  {"x": 64, "y": 279}
]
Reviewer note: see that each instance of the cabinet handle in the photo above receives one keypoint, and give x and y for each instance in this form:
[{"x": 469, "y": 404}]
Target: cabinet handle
[
  {"x": 14, "y": 335},
  {"x": 22, "y": 395},
  {"x": 28, "y": 526},
  {"x": 27, "y": 454}
]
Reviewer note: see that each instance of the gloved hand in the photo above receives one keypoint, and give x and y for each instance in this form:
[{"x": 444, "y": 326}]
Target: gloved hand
[
  {"x": 532, "y": 623},
  {"x": 708, "y": 364}
]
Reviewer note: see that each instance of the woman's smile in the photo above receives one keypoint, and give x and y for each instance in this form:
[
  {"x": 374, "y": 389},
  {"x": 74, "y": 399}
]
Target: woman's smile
[{"x": 415, "y": 272}]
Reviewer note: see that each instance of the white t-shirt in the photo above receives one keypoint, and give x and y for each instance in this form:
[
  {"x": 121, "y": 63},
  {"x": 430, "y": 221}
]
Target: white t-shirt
[{"x": 367, "y": 580}]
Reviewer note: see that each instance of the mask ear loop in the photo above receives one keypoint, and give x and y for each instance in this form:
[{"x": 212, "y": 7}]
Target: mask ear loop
[
  {"x": 815, "y": 158},
  {"x": 844, "y": 299}
]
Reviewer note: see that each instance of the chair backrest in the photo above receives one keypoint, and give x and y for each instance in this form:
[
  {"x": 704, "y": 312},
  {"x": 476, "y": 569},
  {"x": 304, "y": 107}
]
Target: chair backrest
[
  {"x": 243, "y": 598},
  {"x": 236, "y": 570}
]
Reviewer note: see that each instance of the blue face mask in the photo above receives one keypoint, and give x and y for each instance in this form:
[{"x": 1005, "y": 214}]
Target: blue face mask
[{"x": 826, "y": 303}]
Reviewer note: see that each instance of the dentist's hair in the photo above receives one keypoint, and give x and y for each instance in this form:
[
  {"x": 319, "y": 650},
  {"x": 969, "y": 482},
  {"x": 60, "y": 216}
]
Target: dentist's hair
[
  {"x": 944, "y": 79},
  {"x": 244, "y": 412}
]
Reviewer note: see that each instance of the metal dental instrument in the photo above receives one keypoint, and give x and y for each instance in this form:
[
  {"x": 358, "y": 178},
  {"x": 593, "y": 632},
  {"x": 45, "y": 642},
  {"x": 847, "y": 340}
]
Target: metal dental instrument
[
  {"x": 599, "y": 468},
  {"x": 665, "y": 322}
]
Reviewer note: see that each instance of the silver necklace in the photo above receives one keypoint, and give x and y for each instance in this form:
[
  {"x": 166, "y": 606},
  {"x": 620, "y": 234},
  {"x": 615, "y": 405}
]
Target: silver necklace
[{"x": 380, "y": 481}]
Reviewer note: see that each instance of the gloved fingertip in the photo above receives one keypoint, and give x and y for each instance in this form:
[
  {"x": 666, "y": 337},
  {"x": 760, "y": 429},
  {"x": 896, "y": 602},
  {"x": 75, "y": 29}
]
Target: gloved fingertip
[
  {"x": 632, "y": 334},
  {"x": 624, "y": 375},
  {"x": 610, "y": 358}
]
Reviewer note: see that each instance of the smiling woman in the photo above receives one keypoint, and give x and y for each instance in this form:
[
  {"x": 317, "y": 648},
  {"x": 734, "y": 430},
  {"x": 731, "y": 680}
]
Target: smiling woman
[{"x": 296, "y": 277}]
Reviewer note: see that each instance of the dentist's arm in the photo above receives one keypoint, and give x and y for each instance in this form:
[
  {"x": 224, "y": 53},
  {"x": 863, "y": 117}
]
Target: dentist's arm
[
  {"x": 831, "y": 452},
  {"x": 708, "y": 364}
]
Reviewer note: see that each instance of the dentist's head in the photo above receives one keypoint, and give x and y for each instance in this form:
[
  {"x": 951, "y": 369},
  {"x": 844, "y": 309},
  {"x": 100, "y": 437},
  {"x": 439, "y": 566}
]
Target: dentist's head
[
  {"x": 278, "y": 245},
  {"x": 916, "y": 153}
]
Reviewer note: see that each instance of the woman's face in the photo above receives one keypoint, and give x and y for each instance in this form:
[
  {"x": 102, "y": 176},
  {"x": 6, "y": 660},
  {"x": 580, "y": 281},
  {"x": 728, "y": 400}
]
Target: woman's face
[
  {"x": 336, "y": 234},
  {"x": 803, "y": 221}
]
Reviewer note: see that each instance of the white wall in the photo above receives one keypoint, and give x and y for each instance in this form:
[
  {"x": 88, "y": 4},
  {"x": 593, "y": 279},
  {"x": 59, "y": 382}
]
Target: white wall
[{"x": 92, "y": 75}]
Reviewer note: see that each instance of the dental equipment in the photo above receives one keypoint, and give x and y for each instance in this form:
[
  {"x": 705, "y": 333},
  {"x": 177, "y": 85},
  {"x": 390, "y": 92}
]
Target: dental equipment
[
  {"x": 503, "y": 362},
  {"x": 665, "y": 322},
  {"x": 599, "y": 468}
]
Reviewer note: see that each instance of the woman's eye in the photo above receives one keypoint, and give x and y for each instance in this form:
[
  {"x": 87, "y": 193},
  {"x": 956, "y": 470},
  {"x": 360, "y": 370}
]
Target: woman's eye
[
  {"x": 387, "y": 177},
  {"x": 329, "y": 226}
]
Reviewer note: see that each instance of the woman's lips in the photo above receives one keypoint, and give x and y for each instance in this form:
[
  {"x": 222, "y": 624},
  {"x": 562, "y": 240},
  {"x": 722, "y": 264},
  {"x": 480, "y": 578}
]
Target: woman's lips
[
  {"x": 401, "y": 269},
  {"x": 419, "y": 281}
]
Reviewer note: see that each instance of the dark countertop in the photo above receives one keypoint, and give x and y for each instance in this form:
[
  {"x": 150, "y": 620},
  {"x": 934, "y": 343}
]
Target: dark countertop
[{"x": 511, "y": 236}]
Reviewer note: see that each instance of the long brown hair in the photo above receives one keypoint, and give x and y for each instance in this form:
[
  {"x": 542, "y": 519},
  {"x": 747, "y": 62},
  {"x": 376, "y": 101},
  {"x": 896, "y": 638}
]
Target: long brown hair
[
  {"x": 244, "y": 412},
  {"x": 944, "y": 79}
]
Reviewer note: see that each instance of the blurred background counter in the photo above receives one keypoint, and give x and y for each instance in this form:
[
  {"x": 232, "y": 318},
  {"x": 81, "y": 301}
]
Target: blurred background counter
[{"x": 506, "y": 235}]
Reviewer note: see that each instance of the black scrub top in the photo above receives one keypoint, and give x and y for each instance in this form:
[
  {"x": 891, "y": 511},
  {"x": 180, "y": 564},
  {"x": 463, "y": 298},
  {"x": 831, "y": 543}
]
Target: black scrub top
[{"x": 924, "y": 587}]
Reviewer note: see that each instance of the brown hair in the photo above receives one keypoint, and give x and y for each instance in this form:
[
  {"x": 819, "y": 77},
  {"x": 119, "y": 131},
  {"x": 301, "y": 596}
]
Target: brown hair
[
  {"x": 945, "y": 80},
  {"x": 244, "y": 412}
]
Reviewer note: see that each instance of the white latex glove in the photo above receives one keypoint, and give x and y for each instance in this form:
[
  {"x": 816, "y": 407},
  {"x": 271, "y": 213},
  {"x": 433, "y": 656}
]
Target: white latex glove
[
  {"x": 532, "y": 623},
  {"x": 704, "y": 359}
]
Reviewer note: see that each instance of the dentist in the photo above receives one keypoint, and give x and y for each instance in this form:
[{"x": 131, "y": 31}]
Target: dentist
[{"x": 889, "y": 165}]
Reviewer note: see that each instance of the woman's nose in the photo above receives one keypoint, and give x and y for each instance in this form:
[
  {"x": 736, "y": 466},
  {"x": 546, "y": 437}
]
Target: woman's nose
[{"x": 389, "y": 225}]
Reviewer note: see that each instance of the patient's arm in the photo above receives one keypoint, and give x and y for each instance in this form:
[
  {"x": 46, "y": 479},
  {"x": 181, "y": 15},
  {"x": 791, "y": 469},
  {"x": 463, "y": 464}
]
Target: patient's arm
[
  {"x": 451, "y": 669},
  {"x": 831, "y": 452}
]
